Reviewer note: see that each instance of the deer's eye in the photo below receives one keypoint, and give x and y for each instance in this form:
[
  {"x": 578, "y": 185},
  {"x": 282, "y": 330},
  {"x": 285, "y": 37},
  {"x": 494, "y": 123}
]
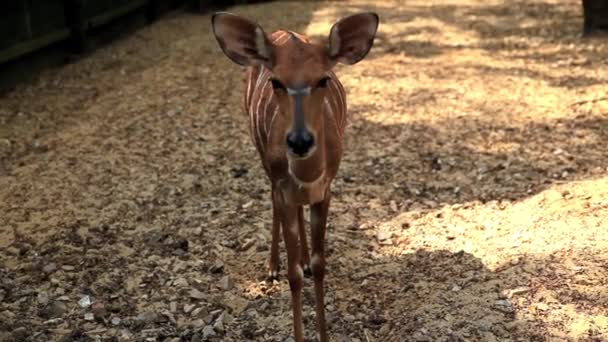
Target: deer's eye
[
  {"x": 323, "y": 82},
  {"x": 276, "y": 84}
]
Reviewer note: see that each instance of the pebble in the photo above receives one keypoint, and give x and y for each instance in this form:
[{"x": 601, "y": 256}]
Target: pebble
[
  {"x": 196, "y": 294},
  {"x": 147, "y": 317},
  {"x": 188, "y": 307},
  {"x": 116, "y": 321},
  {"x": 218, "y": 267},
  {"x": 504, "y": 306},
  {"x": 208, "y": 332},
  {"x": 516, "y": 291},
  {"x": 197, "y": 323},
  {"x": 219, "y": 326},
  {"x": 42, "y": 298},
  {"x": 484, "y": 325},
  {"x": 49, "y": 268},
  {"x": 85, "y": 302},
  {"x": 383, "y": 235},
  {"x": 54, "y": 310},
  {"x": 181, "y": 282},
  {"x": 173, "y": 306},
  {"x": 226, "y": 283},
  {"x": 89, "y": 316}
]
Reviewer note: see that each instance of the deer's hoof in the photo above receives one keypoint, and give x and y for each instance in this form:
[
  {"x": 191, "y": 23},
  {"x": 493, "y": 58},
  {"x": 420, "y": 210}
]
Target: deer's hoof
[
  {"x": 273, "y": 275},
  {"x": 307, "y": 270}
]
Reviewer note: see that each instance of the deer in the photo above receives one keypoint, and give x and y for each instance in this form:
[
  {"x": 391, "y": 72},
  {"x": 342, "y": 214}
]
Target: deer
[{"x": 297, "y": 118}]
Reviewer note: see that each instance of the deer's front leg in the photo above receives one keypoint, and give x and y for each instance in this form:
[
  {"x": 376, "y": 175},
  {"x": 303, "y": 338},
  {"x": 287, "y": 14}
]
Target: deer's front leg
[
  {"x": 304, "y": 256},
  {"x": 295, "y": 274},
  {"x": 318, "y": 220},
  {"x": 273, "y": 265}
]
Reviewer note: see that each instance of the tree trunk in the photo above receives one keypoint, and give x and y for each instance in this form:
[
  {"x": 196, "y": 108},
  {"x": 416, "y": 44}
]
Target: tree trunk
[{"x": 596, "y": 16}]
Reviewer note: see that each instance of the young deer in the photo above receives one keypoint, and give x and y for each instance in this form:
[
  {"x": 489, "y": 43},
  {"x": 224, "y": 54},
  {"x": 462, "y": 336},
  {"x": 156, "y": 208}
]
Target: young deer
[{"x": 297, "y": 111}]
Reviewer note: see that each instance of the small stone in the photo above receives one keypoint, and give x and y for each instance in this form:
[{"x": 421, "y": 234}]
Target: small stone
[
  {"x": 383, "y": 235},
  {"x": 226, "y": 283},
  {"x": 169, "y": 316},
  {"x": 218, "y": 326},
  {"x": 196, "y": 294},
  {"x": 42, "y": 298},
  {"x": 188, "y": 307},
  {"x": 173, "y": 306},
  {"x": 384, "y": 330},
  {"x": 456, "y": 288},
  {"x": 504, "y": 306},
  {"x": 515, "y": 291},
  {"x": 89, "y": 316},
  {"x": 180, "y": 282},
  {"x": 419, "y": 337},
  {"x": 197, "y": 312},
  {"x": 147, "y": 317},
  {"x": 218, "y": 267},
  {"x": 54, "y": 310},
  {"x": 116, "y": 321},
  {"x": 98, "y": 309},
  {"x": 208, "y": 332},
  {"x": 68, "y": 268},
  {"x": 50, "y": 268},
  {"x": 247, "y": 244},
  {"x": 542, "y": 306},
  {"x": 84, "y": 302},
  {"x": 197, "y": 323},
  {"x": 484, "y": 325}
]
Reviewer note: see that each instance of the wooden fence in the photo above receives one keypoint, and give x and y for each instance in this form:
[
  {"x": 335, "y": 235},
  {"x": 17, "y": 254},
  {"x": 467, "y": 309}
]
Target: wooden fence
[{"x": 29, "y": 25}]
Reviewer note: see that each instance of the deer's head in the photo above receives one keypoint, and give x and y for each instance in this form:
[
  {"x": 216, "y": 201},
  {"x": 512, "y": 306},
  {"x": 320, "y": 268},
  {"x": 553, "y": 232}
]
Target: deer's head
[{"x": 299, "y": 67}]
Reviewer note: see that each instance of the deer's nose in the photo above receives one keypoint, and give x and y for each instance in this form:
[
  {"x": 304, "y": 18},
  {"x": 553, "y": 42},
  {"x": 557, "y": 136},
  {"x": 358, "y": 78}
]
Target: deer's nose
[{"x": 300, "y": 142}]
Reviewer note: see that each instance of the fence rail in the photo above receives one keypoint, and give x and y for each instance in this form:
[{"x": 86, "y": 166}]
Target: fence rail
[{"x": 29, "y": 25}]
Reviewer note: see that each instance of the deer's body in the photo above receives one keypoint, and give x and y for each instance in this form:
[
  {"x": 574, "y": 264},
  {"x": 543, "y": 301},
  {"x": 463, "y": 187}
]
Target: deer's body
[{"x": 297, "y": 113}]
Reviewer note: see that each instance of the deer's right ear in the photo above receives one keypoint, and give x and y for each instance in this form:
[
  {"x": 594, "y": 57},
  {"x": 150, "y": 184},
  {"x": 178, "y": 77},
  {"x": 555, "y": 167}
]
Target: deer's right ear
[{"x": 243, "y": 41}]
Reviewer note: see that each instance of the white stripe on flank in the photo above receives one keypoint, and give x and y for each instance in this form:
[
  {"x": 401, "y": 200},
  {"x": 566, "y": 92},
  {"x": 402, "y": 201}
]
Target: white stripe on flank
[
  {"x": 253, "y": 105},
  {"x": 257, "y": 116}
]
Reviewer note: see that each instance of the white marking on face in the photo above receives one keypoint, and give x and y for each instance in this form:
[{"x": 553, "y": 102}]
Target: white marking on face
[{"x": 301, "y": 91}]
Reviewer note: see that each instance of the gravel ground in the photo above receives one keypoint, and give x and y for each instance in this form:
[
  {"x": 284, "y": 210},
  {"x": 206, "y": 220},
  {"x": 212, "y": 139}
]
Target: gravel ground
[{"x": 471, "y": 205}]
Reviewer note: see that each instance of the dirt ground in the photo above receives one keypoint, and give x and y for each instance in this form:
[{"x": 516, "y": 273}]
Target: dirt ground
[{"x": 471, "y": 205}]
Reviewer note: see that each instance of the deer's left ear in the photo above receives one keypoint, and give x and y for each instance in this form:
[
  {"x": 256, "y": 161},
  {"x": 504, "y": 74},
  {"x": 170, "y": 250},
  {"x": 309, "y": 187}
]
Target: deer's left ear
[
  {"x": 351, "y": 38},
  {"x": 243, "y": 41}
]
